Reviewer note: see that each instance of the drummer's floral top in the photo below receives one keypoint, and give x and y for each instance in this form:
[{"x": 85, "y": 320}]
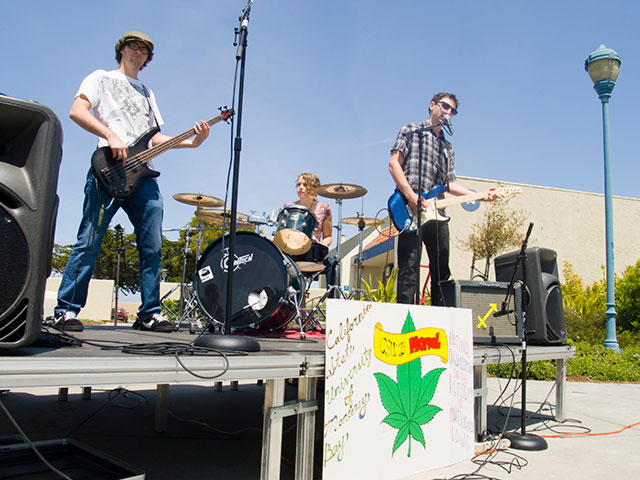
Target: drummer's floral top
[{"x": 322, "y": 211}]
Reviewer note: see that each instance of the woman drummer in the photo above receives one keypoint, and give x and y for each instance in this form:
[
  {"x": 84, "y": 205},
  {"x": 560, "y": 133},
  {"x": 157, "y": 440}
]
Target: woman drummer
[{"x": 306, "y": 185}]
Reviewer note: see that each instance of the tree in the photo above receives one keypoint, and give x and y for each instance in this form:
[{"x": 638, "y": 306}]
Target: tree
[
  {"x": 106, "y": 265},
  {"x": 172, "y": 255},
  {"x": 499, "y": 229}
]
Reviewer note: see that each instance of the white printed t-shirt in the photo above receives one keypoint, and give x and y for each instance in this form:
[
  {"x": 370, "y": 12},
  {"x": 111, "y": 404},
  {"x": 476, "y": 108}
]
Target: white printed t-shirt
[{"x": 120, "y": 102}]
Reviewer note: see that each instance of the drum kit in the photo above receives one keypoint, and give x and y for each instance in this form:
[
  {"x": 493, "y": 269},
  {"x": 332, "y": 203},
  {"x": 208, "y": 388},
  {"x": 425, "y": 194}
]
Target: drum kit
[{"x": 271, "y": 277}]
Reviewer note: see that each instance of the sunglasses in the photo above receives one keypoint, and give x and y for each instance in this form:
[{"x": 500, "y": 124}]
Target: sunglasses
[{"x": 448, "y": 108}]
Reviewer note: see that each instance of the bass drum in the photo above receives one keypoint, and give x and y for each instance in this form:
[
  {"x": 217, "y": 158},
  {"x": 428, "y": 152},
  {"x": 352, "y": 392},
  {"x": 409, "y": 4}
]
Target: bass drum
[{"x": 264, "y": 280}]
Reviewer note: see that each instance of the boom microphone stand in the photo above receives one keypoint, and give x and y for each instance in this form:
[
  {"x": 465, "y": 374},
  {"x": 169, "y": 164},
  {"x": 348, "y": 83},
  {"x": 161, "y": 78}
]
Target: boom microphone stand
[
  {"x": 522, "y": 440},
  {"x": 420, "y": 133},
  {"x": 228, "y": 341}
]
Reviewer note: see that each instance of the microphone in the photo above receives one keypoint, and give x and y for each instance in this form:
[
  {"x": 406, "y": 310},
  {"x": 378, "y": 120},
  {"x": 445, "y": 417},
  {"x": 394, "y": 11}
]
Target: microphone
[
  {"x": 446, "y": 121},
  {"x": 501, "y": 312}
]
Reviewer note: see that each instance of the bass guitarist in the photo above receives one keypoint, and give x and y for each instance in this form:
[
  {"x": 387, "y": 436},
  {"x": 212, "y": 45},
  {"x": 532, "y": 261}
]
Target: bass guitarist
[
  {"x": 123, "y": 109},
  {"x": 426, "y": 140}
]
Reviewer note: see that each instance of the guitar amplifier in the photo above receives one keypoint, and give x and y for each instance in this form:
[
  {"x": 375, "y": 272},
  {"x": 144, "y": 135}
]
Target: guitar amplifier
[{"x": 484, "y": 299}]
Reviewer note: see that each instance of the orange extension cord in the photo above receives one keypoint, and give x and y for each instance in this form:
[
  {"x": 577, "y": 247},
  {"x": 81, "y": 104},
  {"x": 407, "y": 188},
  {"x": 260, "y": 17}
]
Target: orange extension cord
[{"x": 589, "y": 433}]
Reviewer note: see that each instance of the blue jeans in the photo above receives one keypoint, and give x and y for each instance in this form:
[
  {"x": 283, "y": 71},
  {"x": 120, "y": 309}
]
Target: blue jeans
[{"x": 144, "y": 207}]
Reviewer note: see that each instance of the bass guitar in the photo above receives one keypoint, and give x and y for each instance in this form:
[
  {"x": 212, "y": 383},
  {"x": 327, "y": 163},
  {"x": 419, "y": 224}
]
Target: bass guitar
[
  {"x": 404, "y": 218},
  {"x": 120, "y": 180}
]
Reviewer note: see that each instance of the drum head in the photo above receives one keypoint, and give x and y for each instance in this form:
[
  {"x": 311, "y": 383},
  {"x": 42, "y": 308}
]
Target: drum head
[
  {"x": 292, "y": 242},
  {"x": 260, "y": 279}
]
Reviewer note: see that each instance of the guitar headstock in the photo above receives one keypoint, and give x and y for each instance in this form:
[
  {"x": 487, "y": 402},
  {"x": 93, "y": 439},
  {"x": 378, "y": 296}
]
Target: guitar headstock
[
  {"x": 226, "y": 113},
  {"x": 505, "y": 191}
]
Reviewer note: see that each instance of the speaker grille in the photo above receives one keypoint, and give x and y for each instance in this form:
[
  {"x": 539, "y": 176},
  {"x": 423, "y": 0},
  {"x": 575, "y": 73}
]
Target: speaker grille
[
  {"x": 14, "y": 261},
  {"x": 554, "y": 309},
  {"x": 484, "y": 299}
]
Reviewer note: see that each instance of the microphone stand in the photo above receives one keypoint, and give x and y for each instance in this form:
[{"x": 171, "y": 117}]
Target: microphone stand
[
  {"x": 228, "y": 341},
  {"x": 120, "y": 251},
  {"x": 522, "y": 440},
  {"x": 420, "y": 132}
]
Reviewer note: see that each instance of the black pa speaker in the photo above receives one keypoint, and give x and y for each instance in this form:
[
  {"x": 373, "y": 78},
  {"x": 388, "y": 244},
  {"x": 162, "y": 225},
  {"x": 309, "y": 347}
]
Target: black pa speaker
[
  {"x": 485, "y": 299},
  {"x": 30, "y": 154},
  {"x": 544, "y": 319}
]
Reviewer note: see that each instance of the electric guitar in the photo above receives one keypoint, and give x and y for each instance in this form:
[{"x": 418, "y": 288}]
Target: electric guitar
[
  {"x": 120, "y": 180},
  {"x": 403, "y": 217}
]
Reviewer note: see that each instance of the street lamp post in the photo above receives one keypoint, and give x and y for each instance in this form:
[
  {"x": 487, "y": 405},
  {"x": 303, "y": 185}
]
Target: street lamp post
[{"x": 603, "y": 65}]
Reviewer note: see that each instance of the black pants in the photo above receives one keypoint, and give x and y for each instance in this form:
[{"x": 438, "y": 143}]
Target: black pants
[{"x": 435, "y": 237}]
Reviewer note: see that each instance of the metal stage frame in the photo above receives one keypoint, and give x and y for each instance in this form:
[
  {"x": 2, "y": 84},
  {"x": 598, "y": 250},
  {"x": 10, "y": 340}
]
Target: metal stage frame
[{"x": 279, "y": 359}]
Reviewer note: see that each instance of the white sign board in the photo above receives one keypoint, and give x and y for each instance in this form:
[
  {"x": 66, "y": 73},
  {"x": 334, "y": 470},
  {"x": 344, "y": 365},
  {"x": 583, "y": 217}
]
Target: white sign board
[{"x": 398, "y": 389}]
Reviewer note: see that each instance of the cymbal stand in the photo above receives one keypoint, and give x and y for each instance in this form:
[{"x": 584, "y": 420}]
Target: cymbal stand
[
  {"x": 358, "y": 290},
  {"x": 187, "y": 303},
  {"x": 339, "y": 230},
  {"x": 292, "y": 295}
]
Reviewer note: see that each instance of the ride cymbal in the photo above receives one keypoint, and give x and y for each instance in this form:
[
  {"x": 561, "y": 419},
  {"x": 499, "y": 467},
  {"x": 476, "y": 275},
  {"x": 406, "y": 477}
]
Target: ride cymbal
[
  {"x": 366, "y": 221},
  {"x": 341, "y": 190},
  {"x": 198, "y": 199},
  {"x": 220, "y": 216}
]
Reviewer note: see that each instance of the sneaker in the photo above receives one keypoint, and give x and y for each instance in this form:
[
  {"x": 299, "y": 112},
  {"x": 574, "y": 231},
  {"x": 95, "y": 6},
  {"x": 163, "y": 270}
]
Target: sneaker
[
  {"x": 67, "y": 321},
  {"x": 154, "y": 323}
]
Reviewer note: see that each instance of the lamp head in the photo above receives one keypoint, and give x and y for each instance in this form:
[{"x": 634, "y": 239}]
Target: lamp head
[{"x": 603, "y": 66}]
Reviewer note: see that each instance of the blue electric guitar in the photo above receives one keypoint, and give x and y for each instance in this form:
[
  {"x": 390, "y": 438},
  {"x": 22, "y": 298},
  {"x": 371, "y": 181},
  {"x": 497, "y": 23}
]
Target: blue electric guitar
[{"x": 403, "y": 217}]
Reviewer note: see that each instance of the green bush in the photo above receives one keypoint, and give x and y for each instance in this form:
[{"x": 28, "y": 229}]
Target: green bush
[
  {"x": 584, "y": 307},
  {"x": 628, "y": 299},
  {"x": 591, "y": 362}
]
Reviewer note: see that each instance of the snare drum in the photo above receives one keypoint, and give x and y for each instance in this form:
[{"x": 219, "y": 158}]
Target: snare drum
[
  {"x": 263, "y": 281},
  {"x": 295, "y": 229},
  {"x": 313, "y": 260}
]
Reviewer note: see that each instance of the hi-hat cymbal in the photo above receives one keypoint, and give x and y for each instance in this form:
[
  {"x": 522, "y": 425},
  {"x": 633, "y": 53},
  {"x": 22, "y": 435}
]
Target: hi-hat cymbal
[
  {"x": 220, "y": 216},
  {"x": 198, "y": 199},
  {"x": 366, "y": 221},
  {"x": 341, "y": 190}
]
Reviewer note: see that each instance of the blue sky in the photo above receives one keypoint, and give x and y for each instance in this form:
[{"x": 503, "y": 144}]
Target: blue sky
[{"x": 329, "y": 84}]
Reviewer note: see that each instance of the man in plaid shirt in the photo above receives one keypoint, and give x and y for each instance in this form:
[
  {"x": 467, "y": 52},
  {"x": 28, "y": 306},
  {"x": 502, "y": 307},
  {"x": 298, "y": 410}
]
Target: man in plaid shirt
[{"x": 415, "y": 140}]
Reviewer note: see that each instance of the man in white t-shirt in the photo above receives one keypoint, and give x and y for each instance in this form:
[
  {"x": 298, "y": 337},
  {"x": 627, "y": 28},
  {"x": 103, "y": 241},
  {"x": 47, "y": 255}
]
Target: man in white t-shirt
[{"x": 118, "y": 108}]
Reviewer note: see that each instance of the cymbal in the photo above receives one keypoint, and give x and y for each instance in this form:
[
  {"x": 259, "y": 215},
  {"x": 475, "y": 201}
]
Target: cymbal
[
  {"x": 341, "y": 190},
  {"x": 198, "y": 199},
  {"x": 220, "y": 216},
  {"x": 366, "y": 221}
]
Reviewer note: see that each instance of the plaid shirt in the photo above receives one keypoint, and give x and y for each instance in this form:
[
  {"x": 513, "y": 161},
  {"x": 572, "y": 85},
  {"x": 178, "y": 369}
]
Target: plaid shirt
[{"x": 438, "y": 157}]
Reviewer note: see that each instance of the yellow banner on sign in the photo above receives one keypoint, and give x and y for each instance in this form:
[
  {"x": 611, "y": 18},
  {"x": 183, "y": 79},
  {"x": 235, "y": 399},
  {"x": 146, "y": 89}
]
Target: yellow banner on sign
[{"x": 400, "y": 348}]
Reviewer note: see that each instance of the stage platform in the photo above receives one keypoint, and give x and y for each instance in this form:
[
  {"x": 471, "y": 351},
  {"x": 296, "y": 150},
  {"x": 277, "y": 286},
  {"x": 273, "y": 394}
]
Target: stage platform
[{"x": 279, "y": 359}]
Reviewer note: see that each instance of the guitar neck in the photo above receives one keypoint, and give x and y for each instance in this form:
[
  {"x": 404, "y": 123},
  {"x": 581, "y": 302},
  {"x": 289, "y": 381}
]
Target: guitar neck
[
  {"x": 447, "y": 202},
  {"x": 156, "y": 150}
]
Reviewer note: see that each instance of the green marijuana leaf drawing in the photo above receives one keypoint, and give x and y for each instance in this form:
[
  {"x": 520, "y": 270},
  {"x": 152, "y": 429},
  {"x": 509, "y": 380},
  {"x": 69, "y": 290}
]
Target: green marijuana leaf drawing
[{"x": 407, "y": 401}]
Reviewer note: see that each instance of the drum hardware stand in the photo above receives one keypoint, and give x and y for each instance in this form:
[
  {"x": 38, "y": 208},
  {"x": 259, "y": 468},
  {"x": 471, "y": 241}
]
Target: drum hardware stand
[
  {"x": 293, "y": 298},
  {"x": 185, "y": 311},
  {"x": 228, "y": 341},
  {"x": 120, "y": 251},
  {"x": 358, "y": 290},
  {"x": 339, "y": 230},
  {"x": 330, "y": 290}
]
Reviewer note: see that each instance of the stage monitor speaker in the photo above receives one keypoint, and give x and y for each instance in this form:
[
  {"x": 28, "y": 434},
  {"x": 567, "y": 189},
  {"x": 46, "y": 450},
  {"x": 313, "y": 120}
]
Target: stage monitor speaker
[
  {"x": 30, "y": 154},
  {"x": 544, "y": 310},
  {"x": 484, "y": 299}
]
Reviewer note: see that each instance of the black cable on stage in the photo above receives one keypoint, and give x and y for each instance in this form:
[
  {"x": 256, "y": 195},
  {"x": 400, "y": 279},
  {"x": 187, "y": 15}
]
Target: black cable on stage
[
  {"x": 113, "y": 394},
  {"x": 30, "y": 443}
]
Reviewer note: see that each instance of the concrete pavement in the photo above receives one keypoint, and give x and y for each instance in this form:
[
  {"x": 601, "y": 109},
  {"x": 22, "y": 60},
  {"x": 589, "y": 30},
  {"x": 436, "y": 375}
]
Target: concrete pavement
[{"x": 217, "y": 434}]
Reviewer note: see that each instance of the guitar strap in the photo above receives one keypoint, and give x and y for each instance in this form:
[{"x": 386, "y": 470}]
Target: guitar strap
[{"x": 147, "y": 95}]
